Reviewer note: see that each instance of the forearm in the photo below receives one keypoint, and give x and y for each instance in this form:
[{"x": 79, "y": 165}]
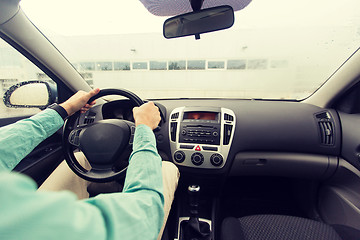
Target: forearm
[
  {"x": 137, "y": 212},
  {"x": 144, "y": 171},
  {"x": 19, "y": 139},
  {"x": 144, "y": 175}
]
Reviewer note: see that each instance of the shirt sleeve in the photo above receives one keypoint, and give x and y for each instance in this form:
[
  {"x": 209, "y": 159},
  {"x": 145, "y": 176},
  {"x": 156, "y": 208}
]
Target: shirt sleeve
[
  {"x": 19, "y": 139},
  {"x": 135, "y": 214}
]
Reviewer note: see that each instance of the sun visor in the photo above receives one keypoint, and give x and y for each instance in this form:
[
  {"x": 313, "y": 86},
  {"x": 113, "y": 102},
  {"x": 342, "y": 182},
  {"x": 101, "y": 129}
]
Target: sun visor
[{"x": 176, "y": 7}]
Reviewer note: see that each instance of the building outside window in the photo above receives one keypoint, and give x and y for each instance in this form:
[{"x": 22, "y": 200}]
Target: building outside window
[
  {"x": 89, "y": 66},
  {"x": 236, "y": 64},
  {"x": 104, "y": 66},
  {"x": 257, "y": 64},
  {"x": 139, "y": 65},
  {"x": 216, "y": 64},
  {"x": 177, "y": 65},
  {"x": 196, "y": 64},
  {"x": 122, "y": 66},
  {"x": 158, "y": 65}
]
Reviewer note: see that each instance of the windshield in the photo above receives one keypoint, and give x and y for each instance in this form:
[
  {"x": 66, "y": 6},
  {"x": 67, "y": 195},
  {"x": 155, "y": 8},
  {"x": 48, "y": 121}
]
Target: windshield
[{"x": 277, "y": 49}]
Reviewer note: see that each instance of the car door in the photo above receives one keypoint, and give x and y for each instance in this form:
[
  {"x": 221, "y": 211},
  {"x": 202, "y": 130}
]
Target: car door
[{"x": 15, "y": 69}]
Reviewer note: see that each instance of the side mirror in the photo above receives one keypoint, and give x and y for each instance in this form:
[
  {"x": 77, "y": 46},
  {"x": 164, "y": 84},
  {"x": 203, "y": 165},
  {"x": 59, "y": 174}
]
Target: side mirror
[
  {"x": 202, "y": 21},
  {"x": 30, "y": 94}
]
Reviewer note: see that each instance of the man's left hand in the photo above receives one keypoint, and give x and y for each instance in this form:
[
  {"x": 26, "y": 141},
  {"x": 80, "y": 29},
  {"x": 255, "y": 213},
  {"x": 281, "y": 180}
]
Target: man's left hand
[{"x": 79, "y": 101}]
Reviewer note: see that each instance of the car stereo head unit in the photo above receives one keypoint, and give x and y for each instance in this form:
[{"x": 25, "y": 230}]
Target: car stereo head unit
[
  {"x": 201, "y": 136},
  {"x": 200, "y": 127}
]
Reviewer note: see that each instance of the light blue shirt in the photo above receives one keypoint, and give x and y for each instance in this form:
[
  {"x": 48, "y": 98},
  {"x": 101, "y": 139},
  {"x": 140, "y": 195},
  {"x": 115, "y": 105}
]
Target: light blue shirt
[{"x": 136, "y": 213}]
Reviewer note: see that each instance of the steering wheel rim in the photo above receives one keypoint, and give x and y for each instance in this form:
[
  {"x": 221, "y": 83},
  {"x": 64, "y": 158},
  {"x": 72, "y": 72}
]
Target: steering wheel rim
[{"x": 102, "y": 162}]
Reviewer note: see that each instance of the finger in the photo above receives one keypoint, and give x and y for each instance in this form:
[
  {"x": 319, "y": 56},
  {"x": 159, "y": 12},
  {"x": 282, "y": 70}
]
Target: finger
[
  {"x": 92, "y": 103},
  {"x": 94, "y": 92},
  {"x": 135, "y": 109},
  {"x": 151, "y": 103}
]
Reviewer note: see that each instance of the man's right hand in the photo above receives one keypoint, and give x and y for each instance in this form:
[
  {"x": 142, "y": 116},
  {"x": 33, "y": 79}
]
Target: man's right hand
[{"x": 147, "y": 114}]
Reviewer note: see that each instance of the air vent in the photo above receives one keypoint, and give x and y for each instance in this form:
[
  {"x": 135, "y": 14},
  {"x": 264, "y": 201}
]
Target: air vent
[
  {"x": 89, "y": 118},
  {"x": 228, "y": 117},
  {"x": 326, "y": 128},
  {"x": 227, "y": 133},
  {"x": 173, "y": 127},
  {"x": 323, "y": 115},
  {"x": 175, "y": 115}
]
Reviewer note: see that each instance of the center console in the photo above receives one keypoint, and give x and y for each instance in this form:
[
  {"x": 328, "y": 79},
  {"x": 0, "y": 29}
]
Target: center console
[{"x": 200, "y": 137}]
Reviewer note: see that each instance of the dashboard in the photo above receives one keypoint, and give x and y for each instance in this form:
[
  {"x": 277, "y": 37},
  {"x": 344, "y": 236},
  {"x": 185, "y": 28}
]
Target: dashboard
[{"x": 243, "y": 137}]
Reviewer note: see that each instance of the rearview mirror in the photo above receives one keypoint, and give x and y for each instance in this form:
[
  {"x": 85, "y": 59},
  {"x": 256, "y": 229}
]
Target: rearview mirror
[{"x": 202, "y": 21}]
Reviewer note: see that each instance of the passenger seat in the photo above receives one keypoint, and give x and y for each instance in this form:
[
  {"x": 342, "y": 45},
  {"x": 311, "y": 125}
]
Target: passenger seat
[{"x": 278, "y": 227}]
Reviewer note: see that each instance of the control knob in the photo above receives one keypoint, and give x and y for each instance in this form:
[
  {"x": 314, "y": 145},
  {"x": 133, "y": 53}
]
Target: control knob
[
  {"x": 216, "y": 159},
  {"x": 197, "y": 158},
  {"x": 179, "y": 156}
]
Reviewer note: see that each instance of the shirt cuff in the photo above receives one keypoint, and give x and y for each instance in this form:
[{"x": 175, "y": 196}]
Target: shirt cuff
[
  {"x": 144, "y": 137},
  {"x": 50, "y": 120}
]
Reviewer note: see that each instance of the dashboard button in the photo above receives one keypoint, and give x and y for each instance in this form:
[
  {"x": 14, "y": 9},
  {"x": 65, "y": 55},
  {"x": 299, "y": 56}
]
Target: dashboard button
[
  {"x": 207, "y": 148},
  {"x": 187, "y": 146}
]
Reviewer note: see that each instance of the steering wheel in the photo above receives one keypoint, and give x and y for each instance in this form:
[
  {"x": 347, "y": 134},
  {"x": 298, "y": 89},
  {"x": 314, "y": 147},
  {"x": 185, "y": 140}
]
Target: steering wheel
[{"x": 103, "y": 142}]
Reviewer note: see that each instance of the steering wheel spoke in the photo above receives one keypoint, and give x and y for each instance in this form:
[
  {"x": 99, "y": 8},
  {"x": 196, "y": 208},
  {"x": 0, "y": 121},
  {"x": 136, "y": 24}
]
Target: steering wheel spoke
[
  {"x": 74, "y": 137},
  {"x": 132, "y": 134}
]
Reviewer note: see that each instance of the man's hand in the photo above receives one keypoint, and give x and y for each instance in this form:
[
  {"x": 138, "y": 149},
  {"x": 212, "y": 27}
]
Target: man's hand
[
  {"x": 78, "y": 101},
  {"x": 147, "y": 114}
]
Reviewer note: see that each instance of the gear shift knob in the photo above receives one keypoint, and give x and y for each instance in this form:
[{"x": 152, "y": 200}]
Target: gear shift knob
[{"x": 194, "y": 194}]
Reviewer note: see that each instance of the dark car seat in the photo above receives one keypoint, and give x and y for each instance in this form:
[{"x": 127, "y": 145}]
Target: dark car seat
[{"x": 271, "y": 227}]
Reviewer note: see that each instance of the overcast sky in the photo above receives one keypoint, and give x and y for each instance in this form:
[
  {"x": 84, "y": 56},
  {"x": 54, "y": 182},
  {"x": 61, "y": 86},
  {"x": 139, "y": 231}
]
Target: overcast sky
[{"x": 84, "y": 17}]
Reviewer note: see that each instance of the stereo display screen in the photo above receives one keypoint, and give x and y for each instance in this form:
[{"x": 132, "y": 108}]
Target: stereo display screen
[{"x": 200, "y": 115}]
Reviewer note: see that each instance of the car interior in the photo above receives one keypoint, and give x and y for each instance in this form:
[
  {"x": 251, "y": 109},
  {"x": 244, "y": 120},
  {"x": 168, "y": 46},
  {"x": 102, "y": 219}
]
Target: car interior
[{"x": 250, "y": 168}]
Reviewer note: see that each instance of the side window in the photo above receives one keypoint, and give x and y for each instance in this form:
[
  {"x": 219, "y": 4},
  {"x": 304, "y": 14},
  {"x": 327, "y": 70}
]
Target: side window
[{"x": 14, "y": 69}]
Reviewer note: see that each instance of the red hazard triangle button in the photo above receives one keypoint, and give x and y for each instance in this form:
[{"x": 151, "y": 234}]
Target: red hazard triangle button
[{"x": 198, "y": 148}]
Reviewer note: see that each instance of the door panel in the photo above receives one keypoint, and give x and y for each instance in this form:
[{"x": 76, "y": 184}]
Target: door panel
[
  {"x": 339, "y": 198},
  {"x": 43, "y": 159},
  {"x": 40, "y": 163}
]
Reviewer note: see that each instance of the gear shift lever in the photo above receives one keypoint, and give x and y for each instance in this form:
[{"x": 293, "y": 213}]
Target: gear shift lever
[
  {"x": 193, "y": 229},
  {"x": 194, "y": 194}
]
